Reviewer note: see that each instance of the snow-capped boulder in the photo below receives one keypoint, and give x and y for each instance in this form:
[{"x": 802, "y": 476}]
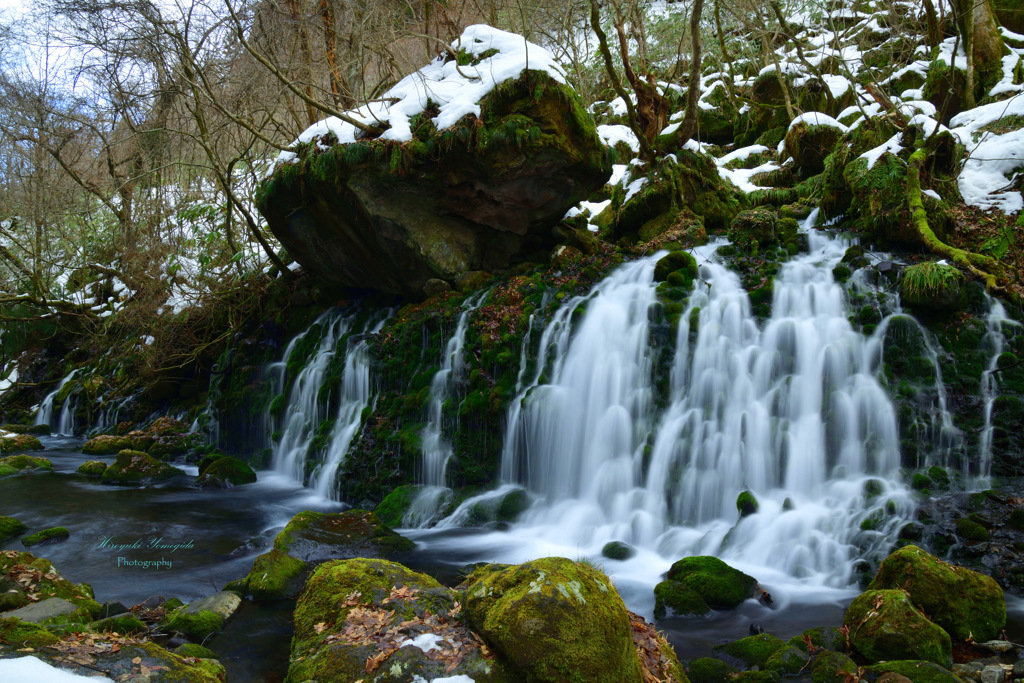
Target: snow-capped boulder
[{"x": 480, "y": 158}]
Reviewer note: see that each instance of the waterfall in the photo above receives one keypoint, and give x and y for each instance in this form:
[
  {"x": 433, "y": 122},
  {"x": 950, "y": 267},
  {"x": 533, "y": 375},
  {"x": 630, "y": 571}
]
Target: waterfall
[
  {"x": 437, "y": 450},
  {"x": 305, "y": 409},
  {"x": 790, "y": 409},
  {"x": 356, "y": 395},
  {"x": 989, "y": 382},
  {"x": 45, "y": 414},
  {"x": 66, "y": 421}
]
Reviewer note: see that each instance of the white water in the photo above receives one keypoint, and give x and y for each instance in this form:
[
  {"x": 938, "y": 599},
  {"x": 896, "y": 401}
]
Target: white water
[
  {"x": 356, "y": 395},
  {"x": 305, "y": 409},
  {"x": 790, "y": 410},
  {"x": 990, "y": 383},
  {"x": 45, "y": 414},
  {"x": 437, "y": 450}
]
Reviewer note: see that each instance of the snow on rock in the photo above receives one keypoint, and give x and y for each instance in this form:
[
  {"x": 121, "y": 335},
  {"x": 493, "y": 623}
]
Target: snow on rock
[
  {"x": 461, "y": 678},
  {"x": 612, "y": 134},
  {"x": 892, "y": 146},
  {"x": 424, "y": 641},
  {"x": 993, "y": 158},
  {"x": 457, "y": 90},
  {"x": 816, "y": 118},
  {"x": 32, "y": 670}
]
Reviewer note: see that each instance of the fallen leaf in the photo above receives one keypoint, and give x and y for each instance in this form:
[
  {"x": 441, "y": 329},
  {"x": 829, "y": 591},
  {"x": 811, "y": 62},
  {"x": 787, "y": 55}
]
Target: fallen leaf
[
  {"x": 137, "y": 660},
  {"x": 320, "y": 628}
]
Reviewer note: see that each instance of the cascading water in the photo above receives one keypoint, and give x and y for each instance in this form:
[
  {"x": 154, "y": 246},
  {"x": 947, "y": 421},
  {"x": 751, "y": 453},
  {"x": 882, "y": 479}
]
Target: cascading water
[
  {"x": 356, "y": 395},
  {"x": 995, "y": 321},
  {"x": 791, "y": 411},
  {"x": 66, "y": 421},
  {"x": 437, "y": 450},
  {"x": 45, "y": 414}
]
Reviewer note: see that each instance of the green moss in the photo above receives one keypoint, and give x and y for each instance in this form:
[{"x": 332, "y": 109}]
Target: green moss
[
  {"x": 673, "y": 598},
  {"x": 135, "y": 468},
  {"x": 194, "y": 625},
  {"x": 11, "y": 528},
  {"x": 752, "y": 650},
  {"x": 21, "y": 634},
  {"x": 122, "y": 624},
  {"x": 554, "y": 619},
  {"x": 710, "y": 670},
  {"x": 971, "y": 531},
  {"x": 717, "y": 583},
  {"x": 680, "y": 263},
  {"x": 832, "y": 667},
  {"x": 617, "y": 550},
  {"x": 92, "y": 468},
  {"x": 193, "y": 650},
  {"x": 107, "y": 444},
  {"x": 226, "y": 472},
  {"x": 746, "y": 503},
  {"x": 787, "y": 661},
  {"x": 21, "y": 442},
  {"x": 353, "y": 528},
  {"x": 392, "y": 509},
  {"x": 23, "y": 463},
  {"x": 916, "y": 670},
  {"x": 827, "y": 637},
  {"x": 46, "y": 536},
  {"x": 967, "y": 604},
  {"x": 932, "y": 286},
  {"x": 275, "y": 574},
  {"x": 885, "y": 625}
]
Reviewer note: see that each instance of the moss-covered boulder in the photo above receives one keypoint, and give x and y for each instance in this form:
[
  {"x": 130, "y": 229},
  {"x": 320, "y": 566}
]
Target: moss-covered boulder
[
  {"x": 38, "y": 430},
  {"x": 12, "y": 443},
  {"x": 914, "y": 670},
  {"x": 226, "y": 472},
  {"x": 392, "y": 509},
  {"x": 17, "y": 464},
  {"x": 787, "y": 661},
  {"x": 746, "y": 504},
  {"x": 107, "y": 444},
  {"x": 167, "y": 446},
  {"x": 757, "y": 228},
  {"x": 38, "y": 579},
  {"x": 274, "y": 575},
  {"x": 832, "y": 667},
  {"x": 662, "y": 203},
  {"x": 377, "y": 621},
  {"x": 711, "y": 670},
  {"x": 810, "y": 139},
  {"x": 752, "y": 651},
  {"x": 554, "y": 620},
  {"x": 461, "y": 195},
  {"x": 674, "y": 598},
  {"x": 963, "y": 602},
  {"x": 677, "y": 261},
  {"x": 317, "y": 536},
  {"x": 46, "y": 537},
  {"x": 828, "y": 637},
  {"x": 92, "y": 468},
  {"x": 200, "y": 619},
  {"x": 121, "y": 623},
  {"x": 11, "y": 527},
  {"x": 718, "y": 584},
  {"x": 884, "y": 624},
  {"x": 617, "y": 550},
  {"x": 933, "y": 287},
  {"x": 135, "y": 468},
  {"x": 22, "y": 634}
]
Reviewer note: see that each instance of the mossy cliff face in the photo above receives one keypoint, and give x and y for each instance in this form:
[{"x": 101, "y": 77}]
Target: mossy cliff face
[
  {"x": 964, "y": 603},
  {"x": 390, "y": 216},
  {"x": 555, "y": 620}
]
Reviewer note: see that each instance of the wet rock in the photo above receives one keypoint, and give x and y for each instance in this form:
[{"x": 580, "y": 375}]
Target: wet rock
[
  {"x": 885, "y": 625},
  {"x": 932, "y": 287},
  {"x": 718, "y": 584},
  {"x": 226, "y": 472},
  {"x": 46, "y": 537},
  {"x": 617, "y": 550},
  {"x": 965, "y": 603},
  {"x": 92, "y": 468},
  {"x": 42, "y": 610},
  {"x": 810, "y": 142},
  {"x": 752, "y": 651},
  {"x": 11, "y": 527},
  {"x": 11, "y": 443},
  {"x": 202, "y": 618},
  {"x": 316, "y": 536},
  {"x": 914, "y": 670},
  {"x": 17, "y": 464},
  {"x": 135, "y": 468},
  {"x": 674, "y": 598},
  {"x": 274, "y": 575},
  {"x": 832, "y": 667}
]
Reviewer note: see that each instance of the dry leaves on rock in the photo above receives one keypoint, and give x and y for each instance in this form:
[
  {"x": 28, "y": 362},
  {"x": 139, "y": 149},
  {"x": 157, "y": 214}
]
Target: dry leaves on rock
[{"x": 648, "y": 644}]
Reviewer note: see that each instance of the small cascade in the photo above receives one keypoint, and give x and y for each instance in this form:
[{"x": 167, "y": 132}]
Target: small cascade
[
  {"x": 994, "y": 322},
  {"x": 306, "y": 409},
  {"x": 437, "y": 450},
  {"x": 356, "y": 395},
  {"x": 66, "y": 422},
  {"x": 45, "y": 414}
]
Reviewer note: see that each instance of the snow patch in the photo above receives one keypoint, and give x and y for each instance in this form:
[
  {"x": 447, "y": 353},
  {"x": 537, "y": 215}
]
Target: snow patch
[{"x": 33, "y": 670}]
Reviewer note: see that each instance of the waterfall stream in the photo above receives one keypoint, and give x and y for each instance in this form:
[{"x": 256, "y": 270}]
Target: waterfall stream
[{"x": 45, "y": 414}]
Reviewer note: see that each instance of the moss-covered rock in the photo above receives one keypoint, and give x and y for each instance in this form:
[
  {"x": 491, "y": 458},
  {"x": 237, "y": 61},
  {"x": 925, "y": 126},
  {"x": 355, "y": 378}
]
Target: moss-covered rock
[
  {"x": 828, "y": 637},
  {"x": 226, "y": 472},
  {"x": 275, "y": 574},
  {"x": 392, "y": 509},
  {"x": 121, "y": 623},
  {"x": 915, "y": 670},
  {"x": 347, "y": 627},
  {"x": 884, "y": 624},
  {"x": 19, "y": 442},
  {"x": 674, "y": 598},
  {"x": 317, "y": 536},
  {"x": 810, "y": 143},
  {"x": 21, "y": 634},
  {"x": 16, "y": 464},
  {"x": 832, "y": 667},
  {"x": 108, "y": 444},
  {"x": 718, "y": 584},
  {"x": 11, "y": 528},
  {"x": 752, "y": 651},
  {"x": 617, "y": 550},
  {"x": 933, "y": 287},
  {"x": 554, "y": 620},
  {"x": 758, "y": 228},
  {"x": 46, "y": 537},
  {"x": 746, "y": 503},
  {"x": 787, "y": 661},
  {"x": 963, "y": 602},
  {"x": 38, "y": 430},
  {"x": 677, "y": 261},
  {"x": 24, "y": 569},
  {"x": 92, "y": 468},
  {"x": 194, "y": 650},
  {"x": 196, "y": 625},
  {"x": 711, "y": 670},
  {"x": 135, "y": 468}
]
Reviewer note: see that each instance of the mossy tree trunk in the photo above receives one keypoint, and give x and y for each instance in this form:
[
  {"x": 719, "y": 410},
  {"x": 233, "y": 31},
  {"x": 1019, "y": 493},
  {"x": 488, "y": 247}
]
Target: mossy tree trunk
[{"x": 983, "y": 45}]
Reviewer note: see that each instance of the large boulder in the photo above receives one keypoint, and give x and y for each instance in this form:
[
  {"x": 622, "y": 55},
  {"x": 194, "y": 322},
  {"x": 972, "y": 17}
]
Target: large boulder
[
  {"x": 16, "y": 464},
  {"x": 884, "y": 625},
  {"x": 480, "y": 161},
  {"x": 318, "y": 536},
  {"x": 135, "y": 468},
  {"x": 25, "y": 578},
  {"x": 963, "y": 602},
  {"x": 554, "y": 620},
  {"x": 718, "y": 584}
]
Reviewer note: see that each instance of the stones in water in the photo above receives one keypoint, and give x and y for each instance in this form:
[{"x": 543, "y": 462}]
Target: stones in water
[
  {"x": 752, "y": 651},
  {"x": 317, "y": 536},
  {"x": 965, "y": 603},
  {"x": 92, "y": 468},
  {"x": 18, "y": 464},
  {"x": 274, "y": 575},
  {"x": 46, "y": 537},
  {"x": 746, "y": 504},
  {"x": 135, "y": 468},
  {"x": 19, "y": 442},
  {"x": 200, "y": 619},
  {"x": 224, "y": 473},
  {"x": 674, "y": 598},
  {"x": 617, "y": 550}
]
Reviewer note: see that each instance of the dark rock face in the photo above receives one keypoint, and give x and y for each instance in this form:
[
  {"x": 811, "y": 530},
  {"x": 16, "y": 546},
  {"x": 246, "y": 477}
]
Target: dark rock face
[{"x": 390, "y": 216}]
